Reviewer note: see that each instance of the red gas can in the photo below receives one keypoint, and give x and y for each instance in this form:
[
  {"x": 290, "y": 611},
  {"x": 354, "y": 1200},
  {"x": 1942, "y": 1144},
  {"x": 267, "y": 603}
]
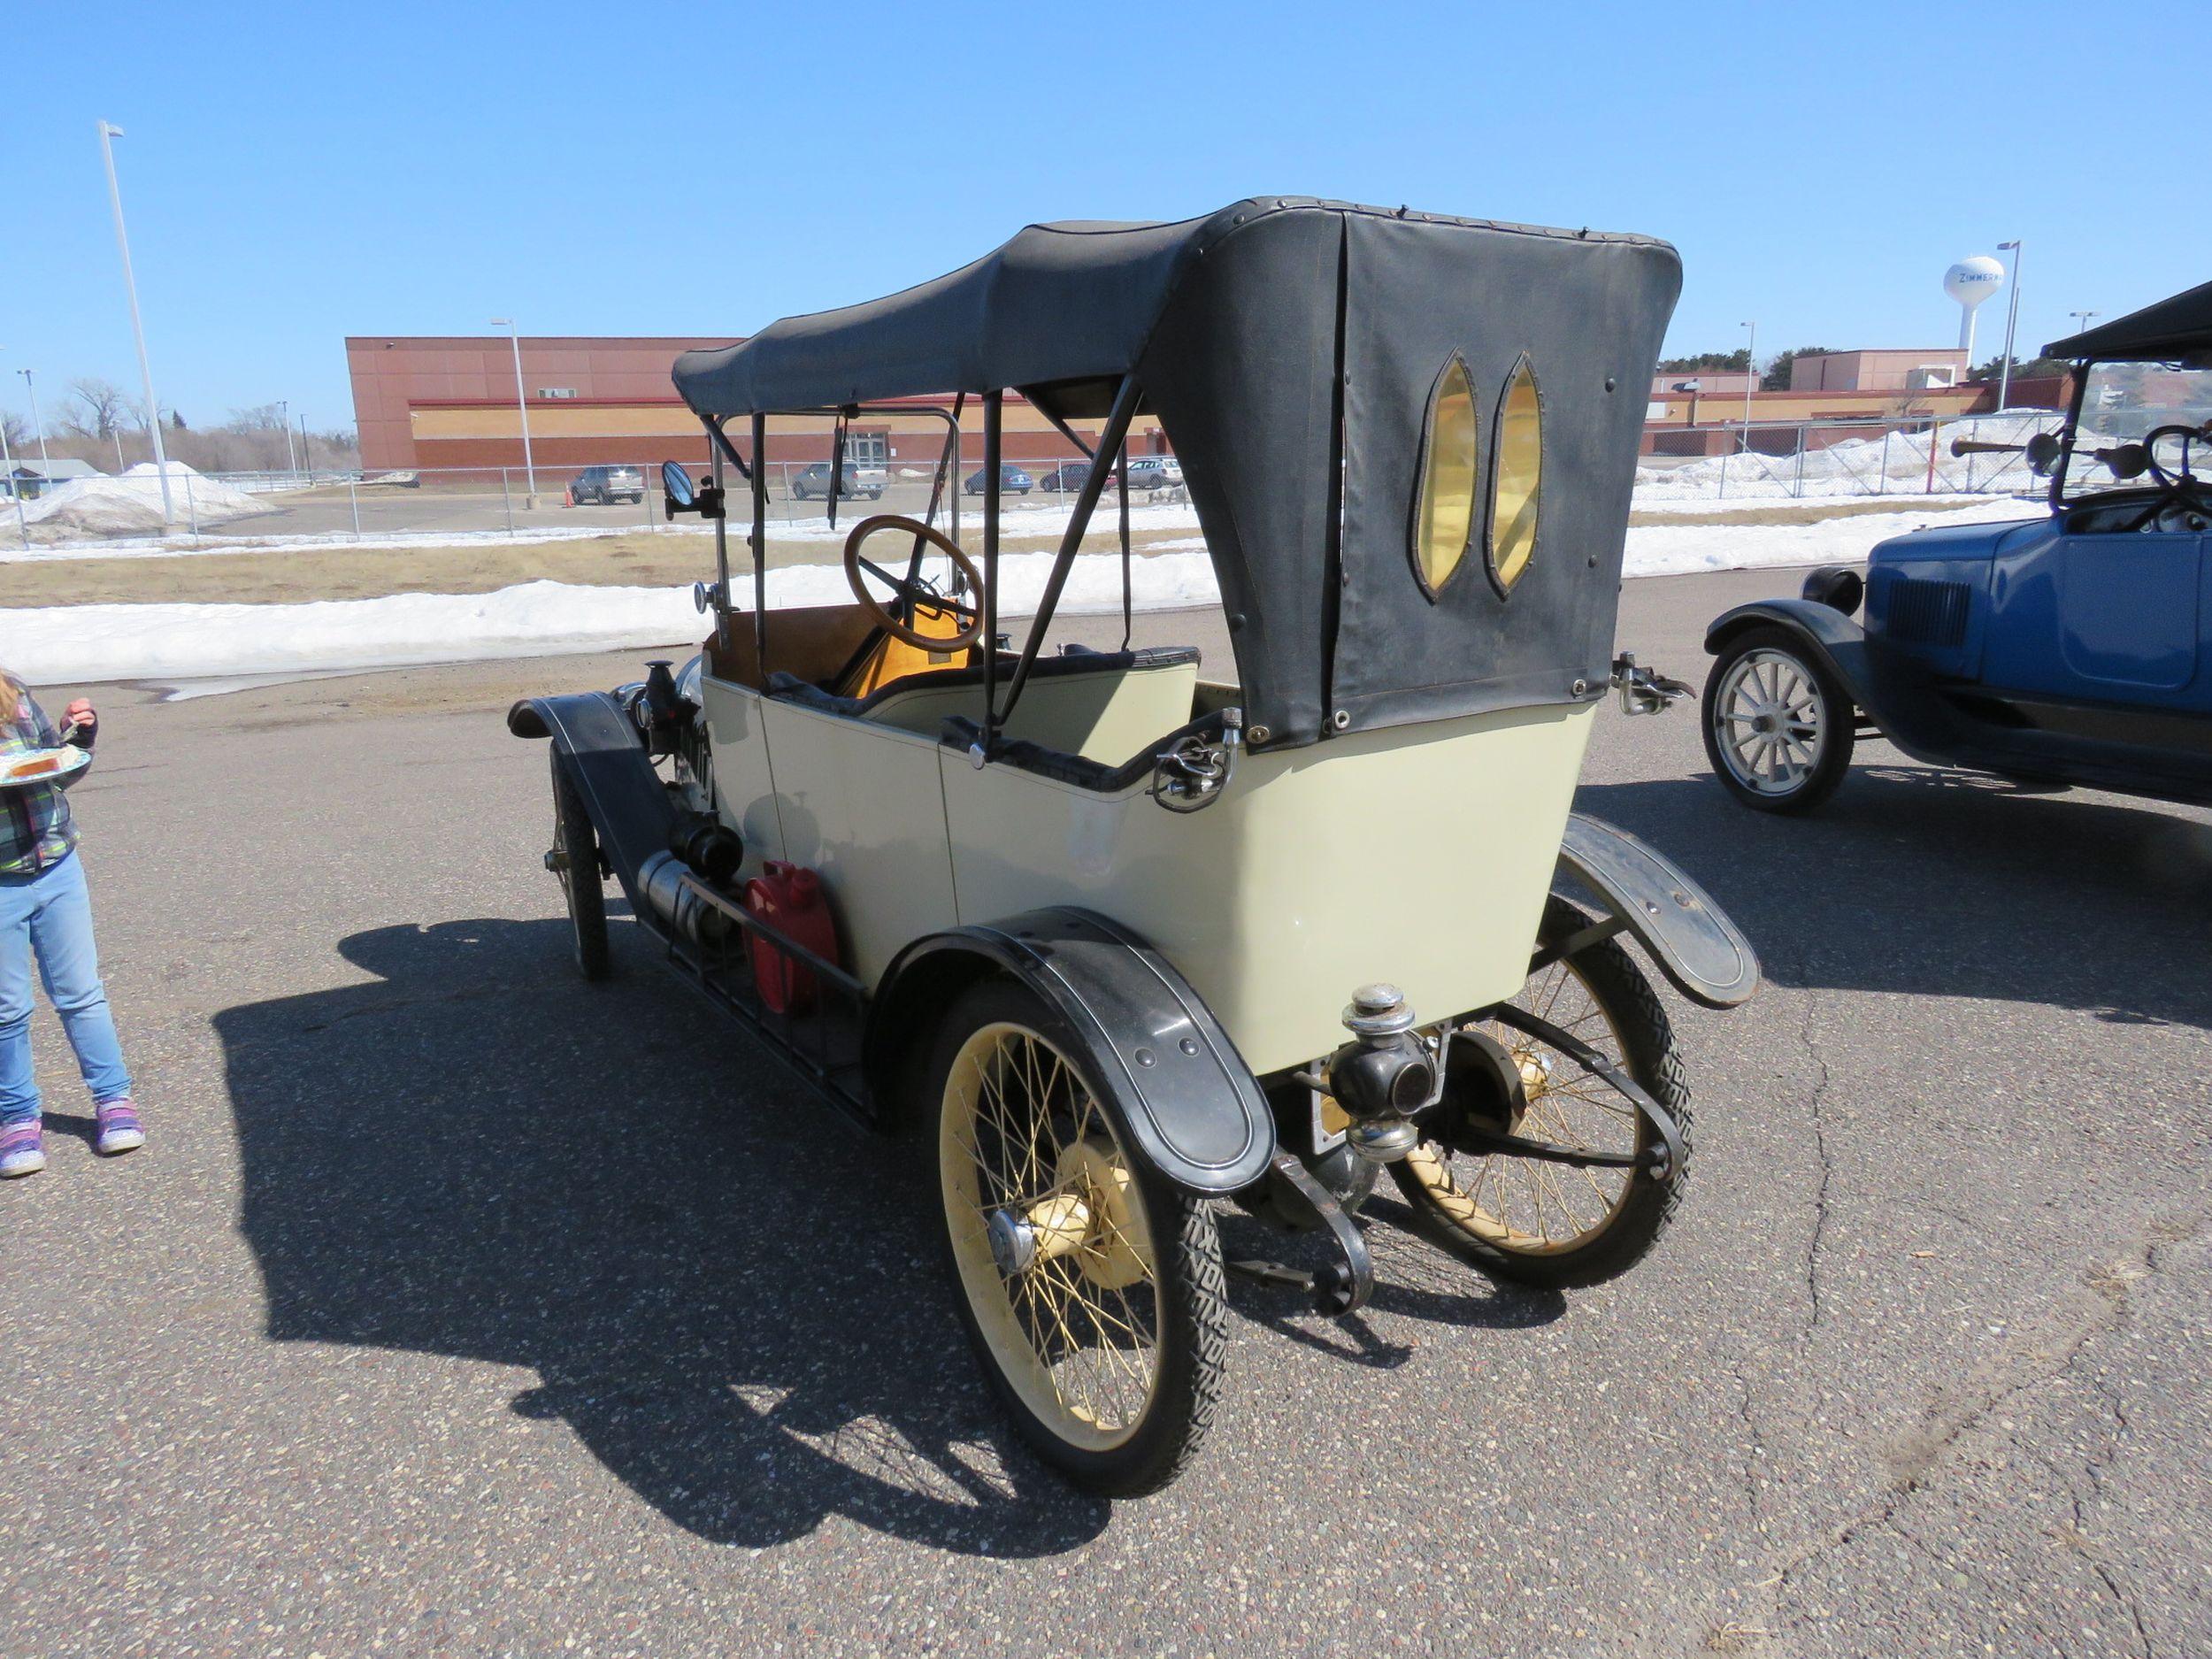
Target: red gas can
[{"x": 790, "y": 899}]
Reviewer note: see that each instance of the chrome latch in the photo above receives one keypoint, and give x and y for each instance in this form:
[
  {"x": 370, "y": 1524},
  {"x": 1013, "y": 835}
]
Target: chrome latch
[
  {"x": 1645, "y": 690},
  {"x": 1194, "y": 771}
]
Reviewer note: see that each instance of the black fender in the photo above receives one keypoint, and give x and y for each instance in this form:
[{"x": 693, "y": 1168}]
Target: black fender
[
  {"x": 1894, "y": 692},
  {"x": 1824, "y": 631},
  {"x": 1180, "y": 1095},
  {"x": 1701, "y": 951},
  {"x": 598, "y": 746}
]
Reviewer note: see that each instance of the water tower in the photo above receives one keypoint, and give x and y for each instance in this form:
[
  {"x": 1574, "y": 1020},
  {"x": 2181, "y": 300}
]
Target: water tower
[{"x": 1969, "y": 282}]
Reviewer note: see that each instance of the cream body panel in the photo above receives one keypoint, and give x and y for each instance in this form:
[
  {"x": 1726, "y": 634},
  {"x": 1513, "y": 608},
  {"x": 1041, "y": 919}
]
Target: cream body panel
[
  {"x": 863, "y": 806},
  {"x": 1420, "y": 855},
  {"x": 744, "y": 786}
]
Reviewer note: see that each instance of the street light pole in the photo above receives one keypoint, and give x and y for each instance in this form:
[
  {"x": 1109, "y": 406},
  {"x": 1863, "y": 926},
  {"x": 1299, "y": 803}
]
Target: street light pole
[
  {"x": 522, "y": 403},
  {"x": 284, "y": 414},
  {"x": 1750, "y": 379},
  {"x": 130, "y": 284},
  {"x": 37, "y": 426},
  {"x": 2083, "y": 319},
  {"x": 2012, "y": 322}
]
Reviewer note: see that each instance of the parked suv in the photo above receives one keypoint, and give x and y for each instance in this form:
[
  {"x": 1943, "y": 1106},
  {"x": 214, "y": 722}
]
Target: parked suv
[
  {"x": 813, "y": 483},
  {"x": 1154, "y": 471},
  {"x": 604, "y": 484}
]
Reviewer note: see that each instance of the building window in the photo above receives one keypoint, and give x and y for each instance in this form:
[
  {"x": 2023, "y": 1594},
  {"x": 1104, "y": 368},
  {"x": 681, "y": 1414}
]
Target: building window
[{"x": 556, "y": 391}]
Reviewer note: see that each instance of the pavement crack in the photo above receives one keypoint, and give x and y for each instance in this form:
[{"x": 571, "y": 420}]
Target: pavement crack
[
  {"x": 1820, "y": 1147},
  {"x": 2095, "y": 1305},
  {"x": 2079, "y": 1537}
]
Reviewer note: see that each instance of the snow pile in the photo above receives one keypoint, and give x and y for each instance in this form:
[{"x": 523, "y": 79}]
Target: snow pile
[
  {"x": 69, "y": 644},
  {"x": 1897, "y": 464},
  {"x": 130, "y": 504}
]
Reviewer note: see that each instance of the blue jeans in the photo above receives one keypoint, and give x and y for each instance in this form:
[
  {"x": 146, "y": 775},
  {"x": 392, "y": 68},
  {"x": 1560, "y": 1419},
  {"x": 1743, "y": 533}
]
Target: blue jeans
[{"x": 50, "y": 913}]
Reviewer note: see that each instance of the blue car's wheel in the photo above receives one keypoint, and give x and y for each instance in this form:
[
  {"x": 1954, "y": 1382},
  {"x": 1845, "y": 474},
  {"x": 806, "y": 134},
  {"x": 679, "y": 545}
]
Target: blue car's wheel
[{"x": 1779, "y": 728}]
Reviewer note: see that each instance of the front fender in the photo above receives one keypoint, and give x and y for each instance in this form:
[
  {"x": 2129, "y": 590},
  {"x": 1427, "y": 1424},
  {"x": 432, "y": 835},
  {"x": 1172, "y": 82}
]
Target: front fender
[
  {"x": 1824, "y": 631},
  {"x": 597, "y": 745},
  {"x": 1703, "y": 954},
  {"x": 1179, "y": 1091}
]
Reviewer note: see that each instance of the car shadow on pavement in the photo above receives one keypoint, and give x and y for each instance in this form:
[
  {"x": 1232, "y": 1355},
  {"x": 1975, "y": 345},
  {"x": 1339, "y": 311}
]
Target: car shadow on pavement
[
  {"x": 1927, "y": 881},
  {"x": 731, "y": 1299}
]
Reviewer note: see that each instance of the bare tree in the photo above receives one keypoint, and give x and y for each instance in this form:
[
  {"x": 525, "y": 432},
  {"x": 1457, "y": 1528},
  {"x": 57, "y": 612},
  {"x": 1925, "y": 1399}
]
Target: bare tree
[
  {"x": 18, "y": 432},
  {"x": 260, "y": 418},
  {"x": 96, "y": 408}
]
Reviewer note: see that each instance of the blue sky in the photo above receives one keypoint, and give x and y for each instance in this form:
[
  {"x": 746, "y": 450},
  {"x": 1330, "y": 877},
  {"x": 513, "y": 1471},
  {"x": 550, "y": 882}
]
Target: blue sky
[{"x": 295, "y": 173}]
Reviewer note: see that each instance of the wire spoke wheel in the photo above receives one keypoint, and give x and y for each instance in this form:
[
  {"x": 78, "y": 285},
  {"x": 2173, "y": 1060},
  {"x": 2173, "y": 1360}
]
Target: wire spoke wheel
[
  {"x": 1778, "y": 730},
  {"x": 1091, "y": 1289},
  {"x": 1564, "y": 1224},
  {"x": 575, "y": 859}
]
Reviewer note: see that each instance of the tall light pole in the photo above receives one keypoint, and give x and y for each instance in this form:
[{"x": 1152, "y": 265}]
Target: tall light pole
[
  {"x": 2012, "y": 322},
  {"x": 37, "y": 426},
  {"x": 130, "y": 284},
  {"x": 1751, "y": 378},
  {"x": 7, "y": 461},
  {"x": 284, "y": 414},
  {"x": 522, "y": 402},
  {"x": 2083, "y": 319}
]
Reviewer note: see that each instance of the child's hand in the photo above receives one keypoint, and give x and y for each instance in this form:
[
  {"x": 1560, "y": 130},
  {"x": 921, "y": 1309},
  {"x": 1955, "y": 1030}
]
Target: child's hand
[{"x": 80, "y": 723}]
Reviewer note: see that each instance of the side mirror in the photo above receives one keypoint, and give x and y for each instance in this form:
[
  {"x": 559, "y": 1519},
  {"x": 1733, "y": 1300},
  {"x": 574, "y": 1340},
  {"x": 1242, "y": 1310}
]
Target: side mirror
[
  {"x": 2042, "y": 453},
  {"x": 676, "y": 486}
]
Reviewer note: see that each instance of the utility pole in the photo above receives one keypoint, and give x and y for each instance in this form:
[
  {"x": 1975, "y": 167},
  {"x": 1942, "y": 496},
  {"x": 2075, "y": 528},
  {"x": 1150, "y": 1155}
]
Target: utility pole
[
  {"x": 522, "y": 402},
  {"x": 37, "y": 426},
  {"x": 2012, "y": 323},
  {"x": 130, "y": 284}
]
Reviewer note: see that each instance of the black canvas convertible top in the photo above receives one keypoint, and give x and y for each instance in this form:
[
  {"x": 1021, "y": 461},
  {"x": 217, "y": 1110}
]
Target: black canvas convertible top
[
  {"x": 2171, "y": 328},
  {"x": 1290, "y": 347}
]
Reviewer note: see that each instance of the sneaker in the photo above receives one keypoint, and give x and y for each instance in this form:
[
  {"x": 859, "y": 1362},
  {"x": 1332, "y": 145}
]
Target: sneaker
[
  {"x": 22, "y": 1152},
  {"x": 119, "y": 1128}
]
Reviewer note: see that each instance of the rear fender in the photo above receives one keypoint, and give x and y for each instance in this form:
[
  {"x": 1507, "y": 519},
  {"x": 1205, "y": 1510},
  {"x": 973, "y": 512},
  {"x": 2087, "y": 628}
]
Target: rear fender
[
  {"x": 1179, "y": 1094},
  {"x": 597, "y": 746},
  {"x": 1701, "y": 951}
]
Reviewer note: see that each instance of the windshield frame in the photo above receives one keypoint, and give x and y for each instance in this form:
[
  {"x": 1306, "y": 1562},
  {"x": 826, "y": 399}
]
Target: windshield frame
[{"x": 2067, "y": 486}]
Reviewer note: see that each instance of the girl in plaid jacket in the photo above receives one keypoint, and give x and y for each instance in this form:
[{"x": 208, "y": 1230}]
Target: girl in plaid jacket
[{"x": 46, "y": 913}]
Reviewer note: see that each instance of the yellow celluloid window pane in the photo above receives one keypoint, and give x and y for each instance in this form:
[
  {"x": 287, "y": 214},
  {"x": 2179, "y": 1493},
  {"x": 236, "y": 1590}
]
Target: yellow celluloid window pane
[
  {"x": 1520, "y": 471},
  {"x": 1447, "y": 510}
]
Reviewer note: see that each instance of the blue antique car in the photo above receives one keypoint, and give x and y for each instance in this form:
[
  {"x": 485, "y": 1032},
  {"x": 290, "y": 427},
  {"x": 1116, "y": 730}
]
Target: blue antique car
[{"x": 2073, "y": 648}]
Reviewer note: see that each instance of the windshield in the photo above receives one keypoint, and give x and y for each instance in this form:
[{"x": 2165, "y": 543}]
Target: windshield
[{"x": 2123, "y": 403}]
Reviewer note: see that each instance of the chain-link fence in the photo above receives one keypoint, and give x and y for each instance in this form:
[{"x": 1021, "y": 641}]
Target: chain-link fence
[
  {"x": 1815, "y": 459},
  {"x": 1805, "y": 460}
]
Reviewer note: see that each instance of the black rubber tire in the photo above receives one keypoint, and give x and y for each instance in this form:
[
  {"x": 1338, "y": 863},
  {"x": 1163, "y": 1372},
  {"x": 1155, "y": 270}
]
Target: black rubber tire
[
  {"x": 1648, "y": 1038},
  {"x": 1837, "y": 712},
  {"x": 582, "y": 885},
  {"x": 1192, "y": 1291}
]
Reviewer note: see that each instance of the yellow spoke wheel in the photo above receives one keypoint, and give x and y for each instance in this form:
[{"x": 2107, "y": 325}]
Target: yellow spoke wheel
[
  {"x": 1091, "y": 1288},
  {"x": 1564, "y": 1224}
]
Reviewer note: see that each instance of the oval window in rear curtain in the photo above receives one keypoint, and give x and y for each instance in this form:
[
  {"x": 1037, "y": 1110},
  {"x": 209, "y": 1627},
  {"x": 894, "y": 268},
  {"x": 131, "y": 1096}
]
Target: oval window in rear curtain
[
  {"x": 1444, "y": 501},
  {"x": 1517, "y": 477}
]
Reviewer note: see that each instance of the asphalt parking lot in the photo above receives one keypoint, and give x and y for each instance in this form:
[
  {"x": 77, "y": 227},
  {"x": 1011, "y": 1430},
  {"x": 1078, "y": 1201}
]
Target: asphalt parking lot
[{"x": 459, "y": 1307}]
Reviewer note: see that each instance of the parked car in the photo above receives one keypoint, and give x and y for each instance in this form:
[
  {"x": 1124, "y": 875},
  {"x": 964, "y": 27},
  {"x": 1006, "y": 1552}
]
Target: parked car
[
  {"x": 604, "y": 484},
  {"x": 1107, "y": 938},
  {"x": 1152, "y": 473},
  {"x": 812, "y": 483},
  {"x": 1012, "y": 481},
  {"x": 1064, "y": 479},
  {"x": 2071, "y": 648}
]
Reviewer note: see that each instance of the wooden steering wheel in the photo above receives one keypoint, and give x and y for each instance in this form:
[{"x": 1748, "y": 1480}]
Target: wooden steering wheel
[{"x": 916, "y": 595}]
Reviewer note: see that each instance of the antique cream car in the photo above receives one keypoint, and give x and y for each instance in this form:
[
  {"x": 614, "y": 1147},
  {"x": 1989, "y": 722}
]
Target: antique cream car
[{"x": 1123, "y": 935}]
